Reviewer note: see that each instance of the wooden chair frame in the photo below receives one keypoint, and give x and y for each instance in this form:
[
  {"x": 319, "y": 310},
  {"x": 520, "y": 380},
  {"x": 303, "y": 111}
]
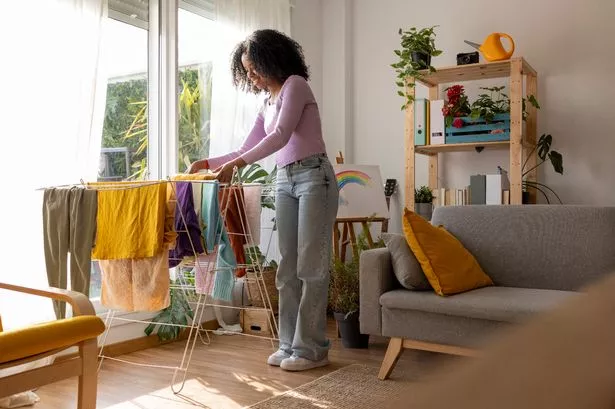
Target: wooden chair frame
[{"x": 83, "y": 364}]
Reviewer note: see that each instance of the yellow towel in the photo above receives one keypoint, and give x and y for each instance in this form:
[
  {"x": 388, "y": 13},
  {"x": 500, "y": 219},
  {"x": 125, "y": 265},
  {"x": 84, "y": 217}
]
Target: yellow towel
[{"x": 130, "y": 222}]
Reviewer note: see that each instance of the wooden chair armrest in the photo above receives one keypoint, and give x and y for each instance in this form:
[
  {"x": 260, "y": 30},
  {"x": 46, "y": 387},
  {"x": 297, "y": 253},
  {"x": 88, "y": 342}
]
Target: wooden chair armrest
[{"x": 80, "y": 303}]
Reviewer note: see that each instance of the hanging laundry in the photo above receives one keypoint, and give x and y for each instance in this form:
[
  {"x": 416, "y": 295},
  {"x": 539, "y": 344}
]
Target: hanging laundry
[
  {"x": 215, "y": 233},
  {"x": 204, "y": 272},
  {"x": 69, "y": 226},
  {"x": 232, "y": 205},
  {"x": 141, "y": 284},
  {"x": 136, "y": 284},
  {"x": 189, "y": 240},
  {"x": 130, "y": 221}
]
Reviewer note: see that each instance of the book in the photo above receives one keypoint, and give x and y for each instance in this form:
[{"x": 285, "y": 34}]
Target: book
[
  {"x": 436, "y": 122},
  {"x": 495, "y": 186},
  {"x": 421, "y": 126},
  {"x": 478, "y": 189}
]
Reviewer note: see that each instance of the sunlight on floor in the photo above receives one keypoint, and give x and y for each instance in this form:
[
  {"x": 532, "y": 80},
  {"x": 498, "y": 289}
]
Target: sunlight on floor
[
  {"x": 262, "y": 384},
  {"x": 194, "y": 394}
]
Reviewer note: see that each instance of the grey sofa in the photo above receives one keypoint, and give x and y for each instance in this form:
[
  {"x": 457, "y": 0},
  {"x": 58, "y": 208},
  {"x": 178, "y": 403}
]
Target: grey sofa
[{"x": 538, "y": 256}]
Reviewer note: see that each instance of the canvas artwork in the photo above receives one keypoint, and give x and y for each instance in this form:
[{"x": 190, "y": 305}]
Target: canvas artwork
[{"x": 361, "y": 192}]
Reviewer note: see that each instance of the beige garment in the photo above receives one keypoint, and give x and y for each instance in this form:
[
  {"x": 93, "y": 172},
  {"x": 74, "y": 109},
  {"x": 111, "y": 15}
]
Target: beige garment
[
  {"x": 136, "y": 285},
  {"x": 563, "y": 359},
  {"x": 69, "y": 226}
]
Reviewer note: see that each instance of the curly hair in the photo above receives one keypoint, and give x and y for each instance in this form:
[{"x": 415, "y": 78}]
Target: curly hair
[{"x": 274, "y": 56}]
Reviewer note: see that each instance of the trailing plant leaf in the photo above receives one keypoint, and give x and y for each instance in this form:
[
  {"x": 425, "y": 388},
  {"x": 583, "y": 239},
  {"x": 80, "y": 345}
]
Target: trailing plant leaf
[
  {"x": 544, "y": 145},
  {"x": 557, "y": 161}
]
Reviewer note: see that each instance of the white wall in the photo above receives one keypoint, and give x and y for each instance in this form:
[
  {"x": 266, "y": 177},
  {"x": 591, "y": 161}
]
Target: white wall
[{"x": 569, "y": 43}]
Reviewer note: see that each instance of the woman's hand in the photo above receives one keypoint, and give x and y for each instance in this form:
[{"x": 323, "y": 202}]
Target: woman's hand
[
  {"x": 225, "y": 172},
  {"x": 199, "y": 165}
]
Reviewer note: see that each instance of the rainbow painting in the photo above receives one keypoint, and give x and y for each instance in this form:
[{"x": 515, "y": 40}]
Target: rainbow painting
[
  {"x": 350, "y": 176},
  {"x": 361, "y": 192}
]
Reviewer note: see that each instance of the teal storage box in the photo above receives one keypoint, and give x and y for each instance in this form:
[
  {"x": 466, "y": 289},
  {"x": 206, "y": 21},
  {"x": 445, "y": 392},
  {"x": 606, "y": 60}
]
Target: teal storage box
[{"x": 479, "y": 130}]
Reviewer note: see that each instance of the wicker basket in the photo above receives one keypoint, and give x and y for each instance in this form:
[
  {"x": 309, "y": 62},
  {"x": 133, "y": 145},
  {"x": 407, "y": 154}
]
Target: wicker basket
[{"x": 268, "y": 279}]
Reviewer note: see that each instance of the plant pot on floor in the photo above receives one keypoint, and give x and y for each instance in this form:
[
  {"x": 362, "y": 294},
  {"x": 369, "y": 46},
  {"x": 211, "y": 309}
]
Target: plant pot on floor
[
  {"x": 424, "y": 210},
  {"x": 424, "y": 60},
  {"x": 350, "y": 330}
]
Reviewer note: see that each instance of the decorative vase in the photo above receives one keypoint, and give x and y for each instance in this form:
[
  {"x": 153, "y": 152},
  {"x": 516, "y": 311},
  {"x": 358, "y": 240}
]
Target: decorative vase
[
  {"x": 525, "y": 197},
  {"x": 421, "y": 58},
  {"x": 350, "y": 330},
  {"x": 424, "y": 210}
]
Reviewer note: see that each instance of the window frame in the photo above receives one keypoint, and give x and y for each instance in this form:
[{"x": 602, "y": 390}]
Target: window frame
[{"x": 162, "y": 94}]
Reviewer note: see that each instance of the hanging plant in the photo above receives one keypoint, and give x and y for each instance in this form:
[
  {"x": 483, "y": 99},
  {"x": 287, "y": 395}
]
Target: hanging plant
[{"x": 414, "y": 58}]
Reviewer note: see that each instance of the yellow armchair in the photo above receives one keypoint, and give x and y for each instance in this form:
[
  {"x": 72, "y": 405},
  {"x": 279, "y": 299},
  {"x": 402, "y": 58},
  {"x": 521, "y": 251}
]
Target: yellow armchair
[{"x": 32, "y": 343}]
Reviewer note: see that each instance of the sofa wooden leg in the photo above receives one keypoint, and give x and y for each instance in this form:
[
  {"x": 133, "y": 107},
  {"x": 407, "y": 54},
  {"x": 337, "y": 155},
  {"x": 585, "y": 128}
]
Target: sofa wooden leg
[
  {"x": 394, "y": 351},
  {"x": 88, "y": 351}
]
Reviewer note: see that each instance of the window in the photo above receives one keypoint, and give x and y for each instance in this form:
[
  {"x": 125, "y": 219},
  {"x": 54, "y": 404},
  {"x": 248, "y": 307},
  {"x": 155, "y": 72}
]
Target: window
[
  {"x": 125, "y": 130},
  {"x": 194, "y": 37}
]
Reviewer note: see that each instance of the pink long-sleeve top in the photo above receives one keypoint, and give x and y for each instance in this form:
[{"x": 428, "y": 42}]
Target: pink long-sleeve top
[{"x": 290, "y": 126}]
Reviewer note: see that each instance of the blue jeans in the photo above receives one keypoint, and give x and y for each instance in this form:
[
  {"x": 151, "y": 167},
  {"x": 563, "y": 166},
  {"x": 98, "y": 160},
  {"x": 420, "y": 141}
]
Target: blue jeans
[{"x": 306, "y": 207}]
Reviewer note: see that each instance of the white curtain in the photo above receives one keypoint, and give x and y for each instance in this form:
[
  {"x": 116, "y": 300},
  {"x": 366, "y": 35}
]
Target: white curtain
[
  {"x": 52, "y": 109},
  {"x": 233, "y": 112}
]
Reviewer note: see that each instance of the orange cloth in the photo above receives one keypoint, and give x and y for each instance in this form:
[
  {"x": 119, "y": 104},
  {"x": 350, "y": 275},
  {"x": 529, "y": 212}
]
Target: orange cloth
[{"x": 232, "y": 206}]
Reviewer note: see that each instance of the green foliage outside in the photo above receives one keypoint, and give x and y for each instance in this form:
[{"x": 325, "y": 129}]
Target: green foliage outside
[{"x": 126, "y": 122}]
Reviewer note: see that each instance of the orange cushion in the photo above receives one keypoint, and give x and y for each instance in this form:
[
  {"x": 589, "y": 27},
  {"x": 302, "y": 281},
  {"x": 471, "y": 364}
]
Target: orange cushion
[
  {"x": 449, "y": 267},
  {"x": 37, "y": 339}
]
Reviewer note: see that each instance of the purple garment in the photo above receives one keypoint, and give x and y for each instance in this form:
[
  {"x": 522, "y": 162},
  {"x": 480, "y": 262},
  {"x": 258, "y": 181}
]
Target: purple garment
[
  {"x": 290, "y": 126},
  {"x": 188, "y": 228}
]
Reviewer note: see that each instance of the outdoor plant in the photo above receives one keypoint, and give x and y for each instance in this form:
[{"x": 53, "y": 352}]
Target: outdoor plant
[
  {"x": 545, "y": 153},
  {"x": 414, "y": 57},
  {"x": 423, "y": 195}
]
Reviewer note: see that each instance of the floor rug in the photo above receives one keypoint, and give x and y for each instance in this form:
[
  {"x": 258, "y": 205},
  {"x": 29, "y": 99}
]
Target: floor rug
[{"x": 352, "y": 387}]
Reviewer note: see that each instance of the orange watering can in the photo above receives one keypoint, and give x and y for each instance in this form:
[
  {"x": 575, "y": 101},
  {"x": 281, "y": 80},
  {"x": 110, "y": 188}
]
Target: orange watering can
[{"x": 492, "y": 48}]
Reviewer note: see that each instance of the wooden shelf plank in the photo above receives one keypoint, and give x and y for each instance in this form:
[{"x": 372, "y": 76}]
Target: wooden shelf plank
[
  {"x": 471, "y": 72},
  {"x": 460, "y": 147}
]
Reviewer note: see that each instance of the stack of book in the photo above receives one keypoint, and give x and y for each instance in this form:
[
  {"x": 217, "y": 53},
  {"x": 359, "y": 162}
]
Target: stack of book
[{"x": 492, "y": 189}]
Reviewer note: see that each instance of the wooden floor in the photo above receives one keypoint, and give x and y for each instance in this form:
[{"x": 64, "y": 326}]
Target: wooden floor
[{"x": 230, "y": 373}]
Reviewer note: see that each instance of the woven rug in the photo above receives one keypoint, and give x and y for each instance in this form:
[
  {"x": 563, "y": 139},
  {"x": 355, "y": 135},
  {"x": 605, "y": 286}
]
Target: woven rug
[{"x": 352, "y": 387}]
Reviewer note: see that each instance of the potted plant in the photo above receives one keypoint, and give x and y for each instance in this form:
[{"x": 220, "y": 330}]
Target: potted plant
[
  {"x": 544, "y": 153},
  {"x": 414, "y": 57},
  {"x": 344, "y": 296},
  {"x": 423, "y": 202}
]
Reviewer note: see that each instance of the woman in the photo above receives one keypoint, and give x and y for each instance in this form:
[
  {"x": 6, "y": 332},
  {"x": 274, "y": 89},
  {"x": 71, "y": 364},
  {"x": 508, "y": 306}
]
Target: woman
[{"x": 306, "y": 192}]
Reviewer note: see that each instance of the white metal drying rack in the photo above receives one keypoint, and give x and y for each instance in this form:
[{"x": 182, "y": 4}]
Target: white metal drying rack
[{"x": 201, "y": 301}]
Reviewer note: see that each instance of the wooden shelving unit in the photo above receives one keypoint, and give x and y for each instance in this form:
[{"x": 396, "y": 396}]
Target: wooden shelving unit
[{"x": 520, "y": 143}]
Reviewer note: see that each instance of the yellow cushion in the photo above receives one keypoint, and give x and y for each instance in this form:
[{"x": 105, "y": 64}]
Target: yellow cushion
[
  {"x": 448, "y": 266},
  {"x": 41, "y": 338}
]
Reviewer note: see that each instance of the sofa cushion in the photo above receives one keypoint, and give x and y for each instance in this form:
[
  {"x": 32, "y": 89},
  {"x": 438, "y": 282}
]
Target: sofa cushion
[
  {"x": 406, "y": 267},
  {"x": 507, "y": 304},
  {"x": 449, "y": 267}
]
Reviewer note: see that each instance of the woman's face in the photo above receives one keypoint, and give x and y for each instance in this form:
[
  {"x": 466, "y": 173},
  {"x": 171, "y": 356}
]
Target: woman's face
[{"x": 255, "y": 78}]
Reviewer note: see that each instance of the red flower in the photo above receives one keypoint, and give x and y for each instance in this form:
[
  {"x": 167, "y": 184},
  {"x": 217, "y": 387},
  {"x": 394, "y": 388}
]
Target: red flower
[{"x": 458, "y": 123}]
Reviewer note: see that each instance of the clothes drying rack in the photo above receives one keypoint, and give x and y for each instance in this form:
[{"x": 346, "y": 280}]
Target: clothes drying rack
[{"x": 185, "y": 282}]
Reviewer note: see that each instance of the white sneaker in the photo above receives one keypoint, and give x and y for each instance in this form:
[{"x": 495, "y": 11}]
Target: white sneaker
[
  {"x": 277, "y": 357},
  {"x": 296, "y": 363}
]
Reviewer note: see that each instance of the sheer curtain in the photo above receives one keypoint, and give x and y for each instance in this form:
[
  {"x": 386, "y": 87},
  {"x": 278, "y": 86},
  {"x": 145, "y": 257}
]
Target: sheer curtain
[
  {"x": 233, "y": 112},
  {"x": 52, "y": 108}
]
